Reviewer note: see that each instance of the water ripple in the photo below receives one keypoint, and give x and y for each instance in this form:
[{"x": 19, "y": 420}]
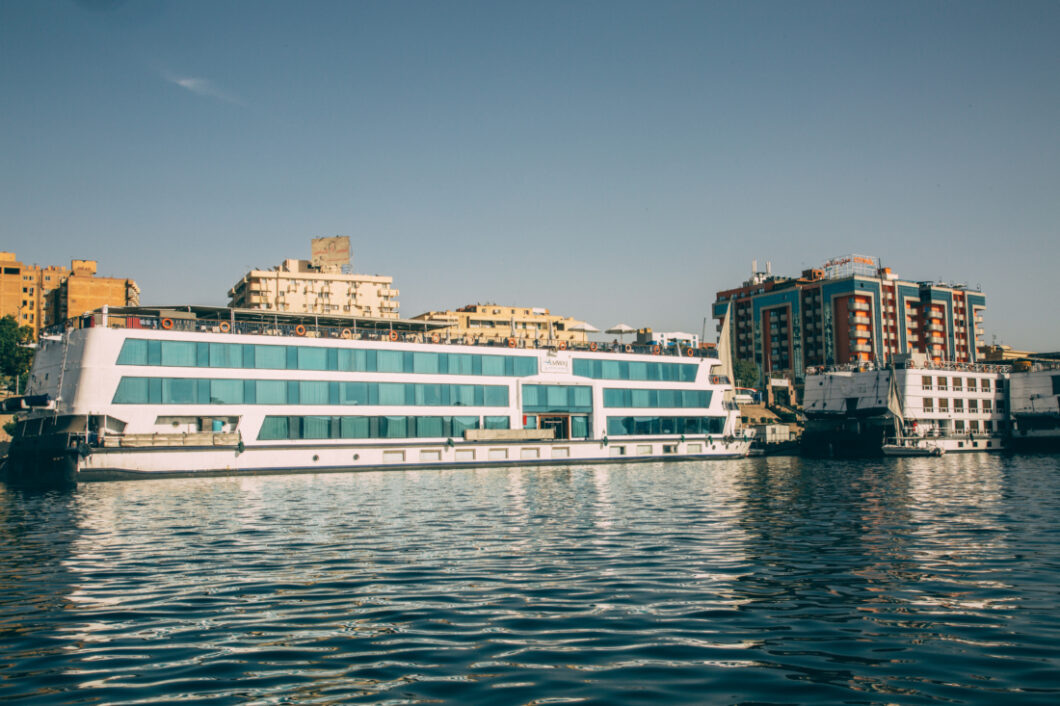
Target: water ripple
[{"x": 758, "y": 581}]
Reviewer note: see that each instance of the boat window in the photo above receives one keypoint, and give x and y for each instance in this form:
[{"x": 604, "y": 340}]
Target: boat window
[
  {"x": 275, "y": 428},
  {"x": 638, "y": 398},
  {"x": 634, "y": 370},
  {"x": 135, "y": 390},
  {"x": 557, "y": 398},
  {"x": 282, "y": 357},
  {"x": 628, "y": 426}
]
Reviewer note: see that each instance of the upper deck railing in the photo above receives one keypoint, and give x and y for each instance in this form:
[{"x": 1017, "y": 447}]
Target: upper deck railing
[
  {"x": 911, "y": 365},
  {"x": 377, "y": 332}
]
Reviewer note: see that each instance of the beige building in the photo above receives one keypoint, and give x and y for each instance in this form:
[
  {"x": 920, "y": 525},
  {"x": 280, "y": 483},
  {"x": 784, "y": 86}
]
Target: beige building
[
  {"x": 299, "y": 286},
  {"x": 41, "y": 296},
  {"x": 489, "y": 322}
]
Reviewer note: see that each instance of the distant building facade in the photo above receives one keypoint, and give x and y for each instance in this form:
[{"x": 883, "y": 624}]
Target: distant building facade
[
  {"x": 491, "y": 323},
  {"x": 38, "y": 297},
  {"x": 850, "y": 310},
  {"x": 299, "y": 286}
]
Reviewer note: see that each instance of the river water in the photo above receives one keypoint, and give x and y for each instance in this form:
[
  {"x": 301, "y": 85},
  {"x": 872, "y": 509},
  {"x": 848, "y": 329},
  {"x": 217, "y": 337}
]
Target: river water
[{"x": 768, "y": 580}]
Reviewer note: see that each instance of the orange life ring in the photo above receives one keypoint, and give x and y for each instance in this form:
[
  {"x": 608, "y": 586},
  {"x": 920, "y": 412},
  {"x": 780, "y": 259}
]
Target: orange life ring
[
  {"x": 167, "y": 324},
  {"x": 225, "y": 327},
  {"x": 592, "y": 346},
  {"x": 435, "y": 338},
  {"x": 393, "y": 335},
  {"x": 299, "y": 329},
  {"x": 715, "y": 380},
  {"x": 511, "y": 342},
  {"x": 563, "y": 345},
  {"x": 690, "y": 352},
  {"x": 346, "y": 333},
  {"x": 655, "y": 350},
  {"x": 629, "y": 348}
]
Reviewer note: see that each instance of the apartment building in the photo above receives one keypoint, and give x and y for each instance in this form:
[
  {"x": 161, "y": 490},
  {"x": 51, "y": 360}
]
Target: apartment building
[
  {"x": 849, "y": 310},
  {"x": 492, "y": 323},
  {"x": 38, "y": 297},
  {"x": 299, "y": 286}
]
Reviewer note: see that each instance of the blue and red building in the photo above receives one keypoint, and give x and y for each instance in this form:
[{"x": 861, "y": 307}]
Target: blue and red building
[{"x": 849, "y": 311}]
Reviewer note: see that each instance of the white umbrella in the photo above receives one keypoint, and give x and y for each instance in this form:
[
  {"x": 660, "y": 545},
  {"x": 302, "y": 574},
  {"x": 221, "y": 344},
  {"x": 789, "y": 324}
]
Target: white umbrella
[
  {"x": 621, "y": 329},
  {"x": 583, "y": 326}
]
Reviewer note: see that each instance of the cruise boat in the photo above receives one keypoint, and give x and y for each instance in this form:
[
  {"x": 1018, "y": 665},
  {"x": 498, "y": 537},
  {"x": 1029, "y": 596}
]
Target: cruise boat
[
  {"x": 1034, "y": 399},
  {"x": 185, "y": 391},
  {"x": 955, "y": 407}
]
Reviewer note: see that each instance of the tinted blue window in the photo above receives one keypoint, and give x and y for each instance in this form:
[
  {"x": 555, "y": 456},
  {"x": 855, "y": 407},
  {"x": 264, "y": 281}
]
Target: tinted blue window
[
  {"x": 312, "y": 392},
  {"x": 557, "y": 398},
  {"x": 178, "y": 354},
  {"x": 273, "y": 428},
  {"x": 226, "y": 391},
  {"x": 429, "y": 426},
  {"x": 634, "y": 370},
  {"x": 271, "y": 392},
  {"x": 316, "y": 427},
  {"x": 270, "y": 357},
  {"x": 131, "y": 391},
  {"x": 178, "y": 391},
  {"x": 492, "y": 365},
  {"x": 390, "y": 361},
  {"x": 133, "y": 352},
  {"x": 625, "y": 426},
  {"x": 312, "y": 358}
]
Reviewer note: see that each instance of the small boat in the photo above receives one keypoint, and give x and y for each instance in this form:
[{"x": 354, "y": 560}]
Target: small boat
[{"x": 913, "y": 447}]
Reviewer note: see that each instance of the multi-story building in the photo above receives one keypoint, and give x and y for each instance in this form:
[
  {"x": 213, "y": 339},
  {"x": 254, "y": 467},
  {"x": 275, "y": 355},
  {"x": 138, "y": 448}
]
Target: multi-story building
[
  {"x": 490, "y": 322},
  {"x": 38, "y": 297},
  {"x": 300, "y": 286},
  {"x": 851, "y": 310}
]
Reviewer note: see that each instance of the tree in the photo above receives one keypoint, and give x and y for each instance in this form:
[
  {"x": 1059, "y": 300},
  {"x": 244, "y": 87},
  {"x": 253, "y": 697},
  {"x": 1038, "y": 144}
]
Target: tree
[
  {"x": 746, "y": 373},
  {"x": 15, "y": 357}
]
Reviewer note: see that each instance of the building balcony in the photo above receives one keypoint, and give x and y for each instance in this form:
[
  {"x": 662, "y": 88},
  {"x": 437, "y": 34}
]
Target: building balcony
[
  {"x": 860, "y": 306},
  {"x": 861, "y": 348},
  {"x": 935, "y": 327}
]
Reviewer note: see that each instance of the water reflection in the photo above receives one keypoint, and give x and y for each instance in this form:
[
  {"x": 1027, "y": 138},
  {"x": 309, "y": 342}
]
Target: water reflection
[{"x": 905, "y": 579}]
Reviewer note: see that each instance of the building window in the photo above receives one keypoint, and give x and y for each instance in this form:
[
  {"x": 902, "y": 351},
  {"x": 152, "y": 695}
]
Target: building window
[
  {"x": 973, "y": 406},
  {"x": 985, "y": 385},
  {"x": 957, "y": 385},
  {"x": 987, "y": 406},
  {"x": 944, "y": 404},
  {"x": 971, "y": 384},
  {"x": 929, "y": 404},
  {"x": 925, "y": 382},
  {"x": 942, "y": 384},
  {"x": 958, "y": 405}
]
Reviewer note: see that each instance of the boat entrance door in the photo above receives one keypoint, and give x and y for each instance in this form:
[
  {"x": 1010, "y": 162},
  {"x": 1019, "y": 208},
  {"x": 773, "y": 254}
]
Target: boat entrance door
[{"x": 558, "y": 422}]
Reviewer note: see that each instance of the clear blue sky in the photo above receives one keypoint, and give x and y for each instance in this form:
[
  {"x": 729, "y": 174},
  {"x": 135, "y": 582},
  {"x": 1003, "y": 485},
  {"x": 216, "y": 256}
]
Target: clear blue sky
[{"x": 612, "y": 161}]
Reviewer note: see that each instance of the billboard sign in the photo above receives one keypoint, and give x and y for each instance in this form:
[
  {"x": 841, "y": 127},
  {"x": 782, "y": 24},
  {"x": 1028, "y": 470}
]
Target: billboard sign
[{"x": 331, "y": 251}]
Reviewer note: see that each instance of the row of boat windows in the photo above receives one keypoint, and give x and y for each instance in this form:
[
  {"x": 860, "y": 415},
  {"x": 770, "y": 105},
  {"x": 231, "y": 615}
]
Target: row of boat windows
[
  {"x": 656, "y": 398},
  {"x": 193, "y": 354},
  {"x": 133, "y": 390},
  {"x": 379, "y": 427},
  {"x": 628, "y": 426},
  {"x": 276, "y": 428},
  {"x": 634, "y": 370},
  {"x": 578, "y": 398},
  {"x": 198, "y": 354},
  {"x": 536, "y": 398},
  {"x": 557, "y": 398}
]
